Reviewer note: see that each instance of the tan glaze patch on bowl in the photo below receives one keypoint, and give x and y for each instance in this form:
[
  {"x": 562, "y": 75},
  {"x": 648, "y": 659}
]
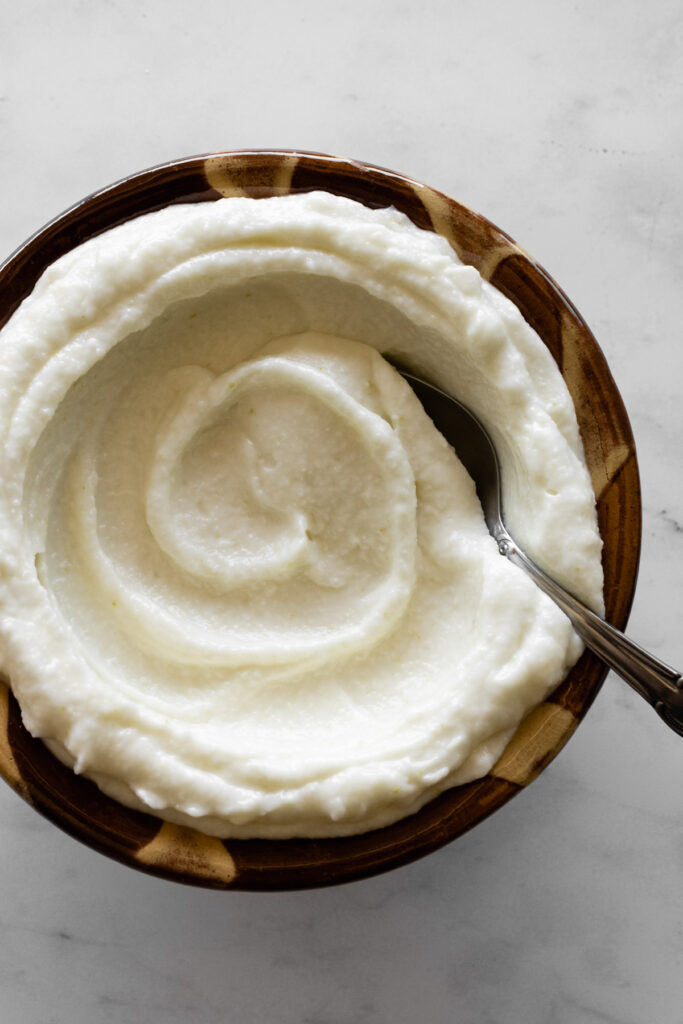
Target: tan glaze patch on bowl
[{"x": 144, "y": 842}]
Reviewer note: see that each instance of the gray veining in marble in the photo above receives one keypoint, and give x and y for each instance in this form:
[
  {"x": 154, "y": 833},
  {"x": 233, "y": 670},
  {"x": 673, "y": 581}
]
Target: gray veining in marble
[{"x": 562, "y": 123}]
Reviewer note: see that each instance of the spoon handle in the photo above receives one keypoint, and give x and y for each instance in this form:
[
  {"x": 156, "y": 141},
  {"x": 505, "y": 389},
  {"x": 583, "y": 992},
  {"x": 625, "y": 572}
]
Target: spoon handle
[{"x": 659, "y": 685}]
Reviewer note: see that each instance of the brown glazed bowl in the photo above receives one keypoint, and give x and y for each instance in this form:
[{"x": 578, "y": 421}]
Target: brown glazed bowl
[{"x": 169, "y": 851}]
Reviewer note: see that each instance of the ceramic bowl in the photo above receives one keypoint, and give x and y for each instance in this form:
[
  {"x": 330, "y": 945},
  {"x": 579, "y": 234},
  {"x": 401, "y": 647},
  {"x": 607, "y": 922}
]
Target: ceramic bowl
[{"x": 146, "y": 843}]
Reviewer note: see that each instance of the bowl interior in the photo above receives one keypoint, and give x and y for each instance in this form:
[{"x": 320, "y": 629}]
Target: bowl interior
[{"x": 144, "y": 842}]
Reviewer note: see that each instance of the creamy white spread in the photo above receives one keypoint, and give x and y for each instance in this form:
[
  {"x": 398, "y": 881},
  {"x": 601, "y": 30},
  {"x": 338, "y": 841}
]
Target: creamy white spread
[{"x": 244, "y": 583}]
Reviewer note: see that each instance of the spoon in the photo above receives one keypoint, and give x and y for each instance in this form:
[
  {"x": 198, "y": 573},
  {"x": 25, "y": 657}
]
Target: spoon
[{"x": 659, "y": 685}]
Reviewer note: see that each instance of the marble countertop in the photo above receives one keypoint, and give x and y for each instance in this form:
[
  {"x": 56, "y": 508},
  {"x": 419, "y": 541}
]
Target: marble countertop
[{"x": 562, "y": 124}]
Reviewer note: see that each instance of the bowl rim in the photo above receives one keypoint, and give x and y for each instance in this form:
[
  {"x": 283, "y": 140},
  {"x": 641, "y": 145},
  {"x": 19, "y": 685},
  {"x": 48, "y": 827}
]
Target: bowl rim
[{"x": 184, "y": 855}]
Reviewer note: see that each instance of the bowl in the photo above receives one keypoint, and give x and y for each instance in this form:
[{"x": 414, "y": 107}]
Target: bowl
[{"x": 184, "y": 855}]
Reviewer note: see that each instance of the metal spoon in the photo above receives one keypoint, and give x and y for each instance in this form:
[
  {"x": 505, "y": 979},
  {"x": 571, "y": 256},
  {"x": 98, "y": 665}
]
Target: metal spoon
[{"x": 658, "y": 684}]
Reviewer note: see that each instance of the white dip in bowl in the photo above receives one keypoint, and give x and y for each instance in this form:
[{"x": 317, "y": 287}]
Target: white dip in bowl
[{"x": 244, "y": 583}]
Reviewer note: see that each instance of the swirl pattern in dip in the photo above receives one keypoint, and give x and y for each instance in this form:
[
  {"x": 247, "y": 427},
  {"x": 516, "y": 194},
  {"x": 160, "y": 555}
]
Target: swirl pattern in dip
[{"x": 245, "y": 584}]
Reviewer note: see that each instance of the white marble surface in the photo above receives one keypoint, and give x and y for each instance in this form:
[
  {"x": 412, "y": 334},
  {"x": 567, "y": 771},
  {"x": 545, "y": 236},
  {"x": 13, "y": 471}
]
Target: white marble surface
[{"x": 562, "y": 123}]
